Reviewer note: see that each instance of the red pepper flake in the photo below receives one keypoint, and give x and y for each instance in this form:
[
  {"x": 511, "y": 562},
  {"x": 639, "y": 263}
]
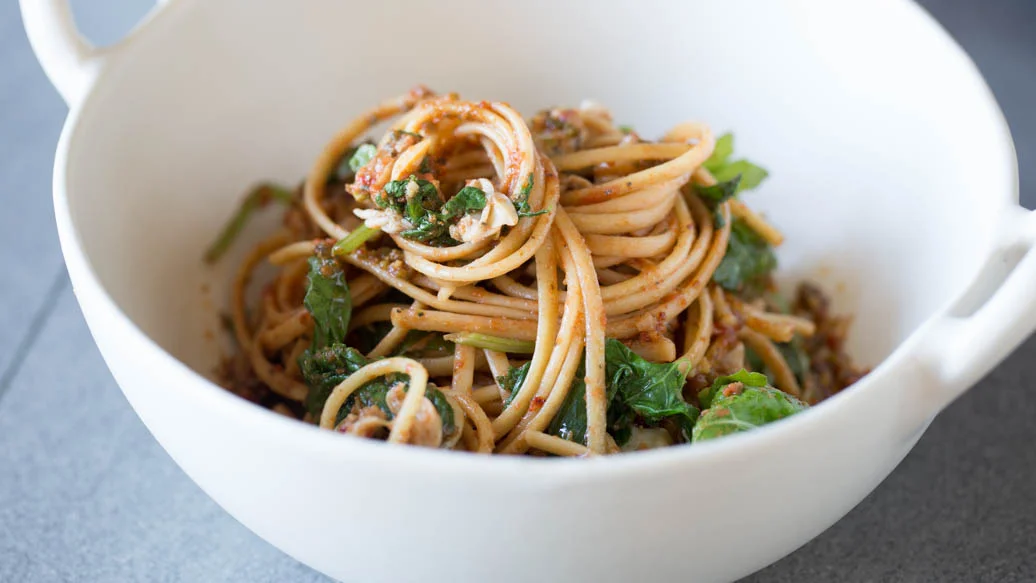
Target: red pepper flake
[{"x": 733, "y": 389}]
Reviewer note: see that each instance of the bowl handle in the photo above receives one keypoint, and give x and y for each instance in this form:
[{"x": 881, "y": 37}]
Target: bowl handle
[
  {"x": 989, "y": 320},
  {"x": 70, "y": 62}
]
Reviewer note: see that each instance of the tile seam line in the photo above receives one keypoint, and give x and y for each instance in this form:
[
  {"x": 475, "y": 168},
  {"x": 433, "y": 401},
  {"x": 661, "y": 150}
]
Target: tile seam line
[{"x": 39, "y": 319}]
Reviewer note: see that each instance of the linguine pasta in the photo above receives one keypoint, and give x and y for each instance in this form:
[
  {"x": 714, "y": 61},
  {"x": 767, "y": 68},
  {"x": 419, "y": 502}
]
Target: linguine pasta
[{"x": 559, "y": 286}]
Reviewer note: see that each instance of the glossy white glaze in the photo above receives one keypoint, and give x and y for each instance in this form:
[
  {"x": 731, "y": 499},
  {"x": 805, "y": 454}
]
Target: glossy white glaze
[{"x": 893, "y": 175}]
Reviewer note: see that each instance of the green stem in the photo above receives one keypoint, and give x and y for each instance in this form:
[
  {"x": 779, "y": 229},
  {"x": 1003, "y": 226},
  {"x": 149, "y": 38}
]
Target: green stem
[
  {"x": 353, "y": 240},
  {"x": 492, "y": 342},
  {"x": 257, "y": 199}
]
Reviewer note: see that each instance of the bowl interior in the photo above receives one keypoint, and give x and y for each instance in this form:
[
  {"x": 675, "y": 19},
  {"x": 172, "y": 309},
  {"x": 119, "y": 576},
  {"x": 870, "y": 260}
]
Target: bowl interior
[{"x": 886, "y": 158}]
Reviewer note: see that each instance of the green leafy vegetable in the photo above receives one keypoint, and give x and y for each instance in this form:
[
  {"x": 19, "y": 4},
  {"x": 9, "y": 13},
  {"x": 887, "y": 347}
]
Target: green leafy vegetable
[
  {"x": 751, "y": 175},
  {"x": 323, "y": 369},
  {"x": 635, "y": 388},
  {"x": 720, "y": 192},
  {"x": 424, "y": 342},
  {"x": 421, "y": 204},
  {"x": 327, "y": 299},
  {"x": 353, "y": 240},
  {"x": 443, "y": 407},
  {"x": 397, "y": 193},
  {"x": 570, "y": 420},
  {"x": 489, "y": 342},
  {"x": 257, "y": 199},
  {"x": 365, "y": 338},
  {"x": 521, "y": 202},
  {"x": 468, "y": 199},
  {"x": 626, "y": 129},
  {"x": 512, "y": 381},
  {"x": 363, "y": 155},
  {"x": 748, "y": 379},
  {"x": 653, "y": 391},
  {"x": 748, "y": 261},
  {"x": 742, "y": 409},
  {"x": 724, "y": 170},
  {"x": 720, "y": 153},
  {"x": 353, "y": 160}
]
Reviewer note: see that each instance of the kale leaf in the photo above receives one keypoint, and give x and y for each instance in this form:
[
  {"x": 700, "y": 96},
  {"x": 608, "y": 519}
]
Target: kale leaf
[
  {"x": 570, "y": 420},
  {"x": 323, "y": 369},
  {"x": 652, "y": 391},
  {"x": 724, "y": 170},
  {"x": 512, "y": 381},
  {"x": 720, "y": 192},
  {"x": 751, "y": 175},
  {"x": 743, "y": 409},
  {"x": 366, "y": 337},
  {"x": 353, "y": 160},
  {"x": 326, "y": 367},
  {"x": 327, "y": 299},
  {"x": 748, "y": 379},
  {"x": 429, "y": 341},
  {"x": 748, "y": 261},
  {"x": 635, "y": 388}
]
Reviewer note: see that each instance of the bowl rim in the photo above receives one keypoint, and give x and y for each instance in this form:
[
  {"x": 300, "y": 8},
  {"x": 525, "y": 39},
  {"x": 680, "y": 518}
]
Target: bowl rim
[{"x": 297, "y": 435}]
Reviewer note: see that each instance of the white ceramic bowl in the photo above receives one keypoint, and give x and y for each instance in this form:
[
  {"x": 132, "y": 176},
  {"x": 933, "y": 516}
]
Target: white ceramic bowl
[{"x": 893, "y": 175}]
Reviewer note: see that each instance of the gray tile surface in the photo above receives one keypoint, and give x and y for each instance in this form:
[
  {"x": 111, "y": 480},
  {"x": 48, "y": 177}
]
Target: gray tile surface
[{"x": 87, "y": 495}]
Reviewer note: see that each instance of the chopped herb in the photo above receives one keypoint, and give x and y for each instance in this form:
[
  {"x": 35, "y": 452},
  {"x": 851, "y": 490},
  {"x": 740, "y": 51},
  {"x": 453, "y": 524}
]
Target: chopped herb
[
  {"x": 530, "y": 181},
  {"x": 521, "y": 202},
  {"x": 423, "y": 207},
  {"x": 395, "y": 195},
  {"x": 468, "y": 199},
  {"x": 626, "y": 129},
  {"x": 258, "y": 198}
]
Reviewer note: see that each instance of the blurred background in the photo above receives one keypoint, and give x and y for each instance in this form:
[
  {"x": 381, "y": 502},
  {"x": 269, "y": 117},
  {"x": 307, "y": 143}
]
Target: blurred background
[{"x": 87, "y": 495}]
